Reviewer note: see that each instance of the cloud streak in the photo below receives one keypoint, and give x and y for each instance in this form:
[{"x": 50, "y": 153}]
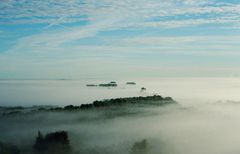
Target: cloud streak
[
  {"x": 113, "y": 15},
  {"x": 87, "y": 28},
  {"x": 30, "y": 12}
]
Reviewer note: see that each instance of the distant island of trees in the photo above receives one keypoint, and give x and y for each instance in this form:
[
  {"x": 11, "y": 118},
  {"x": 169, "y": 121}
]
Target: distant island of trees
[
  {"x": 130, "y": 83},
  {"x": 110, "y": 84}
]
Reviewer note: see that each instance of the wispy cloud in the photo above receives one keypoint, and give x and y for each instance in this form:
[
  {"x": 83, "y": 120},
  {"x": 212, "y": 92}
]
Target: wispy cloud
[
  {"x": 134, "y": 21},
  {"x": 108, "y": 15},
  {"x": 15, "y": 12}
]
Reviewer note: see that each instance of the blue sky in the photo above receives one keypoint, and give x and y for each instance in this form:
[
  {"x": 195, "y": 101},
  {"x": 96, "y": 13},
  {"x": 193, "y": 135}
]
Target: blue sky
[{"x": 119, "y": 39}]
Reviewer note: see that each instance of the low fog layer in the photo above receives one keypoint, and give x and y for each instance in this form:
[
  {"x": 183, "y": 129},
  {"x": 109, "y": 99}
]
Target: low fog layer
[
  {"x": 171, "y": 129},
  {"x": 64, "y": 92}
]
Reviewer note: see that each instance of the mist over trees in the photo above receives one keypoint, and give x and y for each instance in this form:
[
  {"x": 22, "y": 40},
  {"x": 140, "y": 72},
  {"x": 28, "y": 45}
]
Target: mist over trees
[
  {"x": 58, "y": 142},
  {"x": 52, "y": 143},
  {"x": 147, "y": 100}
]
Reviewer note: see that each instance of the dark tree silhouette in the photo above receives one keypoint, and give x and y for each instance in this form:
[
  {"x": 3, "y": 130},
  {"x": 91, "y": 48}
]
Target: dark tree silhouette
[{"x": 52, "y": 143}]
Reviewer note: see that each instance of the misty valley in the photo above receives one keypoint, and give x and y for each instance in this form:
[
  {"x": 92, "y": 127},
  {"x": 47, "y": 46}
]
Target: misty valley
[
  {"x": 119, "y": 77},
  {"x": 131, "y": 125},
  {"x": 88, "y": 128}
]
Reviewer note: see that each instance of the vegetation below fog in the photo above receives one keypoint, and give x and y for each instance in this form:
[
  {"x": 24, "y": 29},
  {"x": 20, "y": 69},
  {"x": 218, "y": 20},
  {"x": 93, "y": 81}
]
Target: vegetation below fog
[
  {"x": 50, "y": 119},
  {"x": 148, "y": 100},
  {"x": 129, "y": 128},
  {"x": 116, "y": 102},
  {"x": 58, "y": 143}
]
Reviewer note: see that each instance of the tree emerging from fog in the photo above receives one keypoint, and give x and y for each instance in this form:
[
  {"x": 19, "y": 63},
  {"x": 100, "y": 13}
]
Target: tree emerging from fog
[{"x": 52, "y": 143}]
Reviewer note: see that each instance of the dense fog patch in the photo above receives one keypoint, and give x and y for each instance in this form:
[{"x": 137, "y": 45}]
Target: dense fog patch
[{"x": 202, "y": 128}]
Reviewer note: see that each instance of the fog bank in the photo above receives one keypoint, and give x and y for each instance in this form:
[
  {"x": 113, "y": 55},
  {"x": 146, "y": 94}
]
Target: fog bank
[
  {"x": 65, "y": 92},
  {"x": 210, "y": 128}
]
